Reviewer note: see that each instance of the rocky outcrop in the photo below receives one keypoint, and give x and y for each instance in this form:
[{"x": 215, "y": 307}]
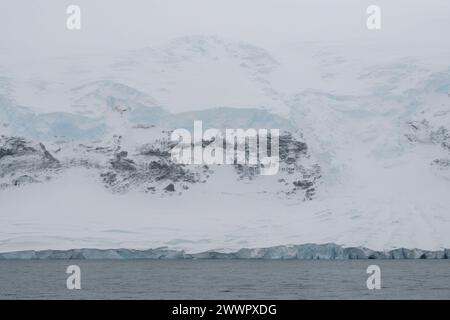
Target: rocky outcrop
[
  {"x": 298, "y": 175},
  {"x": 23, "y": 161},
  {"x": 148, "y": 167},
  {"x": 425, "y": 133},
  {"x": 441, "y": 163}
]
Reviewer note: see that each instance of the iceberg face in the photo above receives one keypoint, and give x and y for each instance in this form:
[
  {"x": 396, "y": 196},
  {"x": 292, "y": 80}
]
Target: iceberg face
[
  {"x": 299, "y": 252},
  {"x": 91, "y": 254}
]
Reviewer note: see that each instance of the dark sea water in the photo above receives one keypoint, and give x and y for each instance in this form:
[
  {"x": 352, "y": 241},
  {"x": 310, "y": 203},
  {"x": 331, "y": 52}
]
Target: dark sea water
[{"x": 225, "y": 279}]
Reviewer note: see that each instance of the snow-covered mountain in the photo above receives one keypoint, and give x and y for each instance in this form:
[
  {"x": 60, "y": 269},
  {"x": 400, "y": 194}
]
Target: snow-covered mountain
[
  {"x": 365, "y": 149},
  {"x": 198, "y": 72}
]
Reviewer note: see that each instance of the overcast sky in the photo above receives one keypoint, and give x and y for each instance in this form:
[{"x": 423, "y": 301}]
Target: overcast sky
[{"x": 39, "y": 26}]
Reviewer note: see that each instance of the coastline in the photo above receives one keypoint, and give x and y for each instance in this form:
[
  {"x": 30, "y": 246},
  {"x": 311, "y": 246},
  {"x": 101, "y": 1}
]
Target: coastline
[{"x": 328, "y": 251}]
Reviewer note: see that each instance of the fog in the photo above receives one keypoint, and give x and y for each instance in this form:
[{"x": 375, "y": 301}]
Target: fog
[{"x": 38, "y": 28}]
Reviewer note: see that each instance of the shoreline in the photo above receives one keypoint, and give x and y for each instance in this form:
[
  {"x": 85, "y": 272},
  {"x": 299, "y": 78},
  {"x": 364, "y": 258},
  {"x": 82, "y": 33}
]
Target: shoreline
[{"x": 329, "y": 251}]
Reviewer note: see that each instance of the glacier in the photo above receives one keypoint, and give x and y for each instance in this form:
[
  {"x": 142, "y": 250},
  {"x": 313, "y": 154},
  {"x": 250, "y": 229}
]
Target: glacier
[{"x": 84, "y": 148}]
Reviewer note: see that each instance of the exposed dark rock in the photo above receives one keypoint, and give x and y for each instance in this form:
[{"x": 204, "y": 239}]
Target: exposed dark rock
[
  {"x": 25, "y": 179},
  {"x": 5, "y": 152},
  {"x": 443, "y": 163},
  {"x": 148, "y": 167},
  {"x": 303, "y": 184},
  {"x": 21, "y": 161},
  {"x": 109, "y": 177},
  {"x": 291, "y": 149},
  {"x": 47, "y": 156},
  {"x": 165, "y": 170},
  {"x": 170, "y": 187},
  {"x": 15, "y": 146},
  {"x": 122, "y": 163},
  {"x": 424, "y": 132},
  {"x": 446, "y": 145},
  {"x": 154, "y": 151}
]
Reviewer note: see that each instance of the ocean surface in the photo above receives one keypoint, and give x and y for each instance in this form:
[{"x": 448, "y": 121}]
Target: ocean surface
[{"x": 225, "y": 279}]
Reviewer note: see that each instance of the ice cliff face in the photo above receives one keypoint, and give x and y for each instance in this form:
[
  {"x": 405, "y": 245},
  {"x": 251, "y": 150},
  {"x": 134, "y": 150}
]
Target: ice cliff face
[{"x": 299, "y": 252}]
